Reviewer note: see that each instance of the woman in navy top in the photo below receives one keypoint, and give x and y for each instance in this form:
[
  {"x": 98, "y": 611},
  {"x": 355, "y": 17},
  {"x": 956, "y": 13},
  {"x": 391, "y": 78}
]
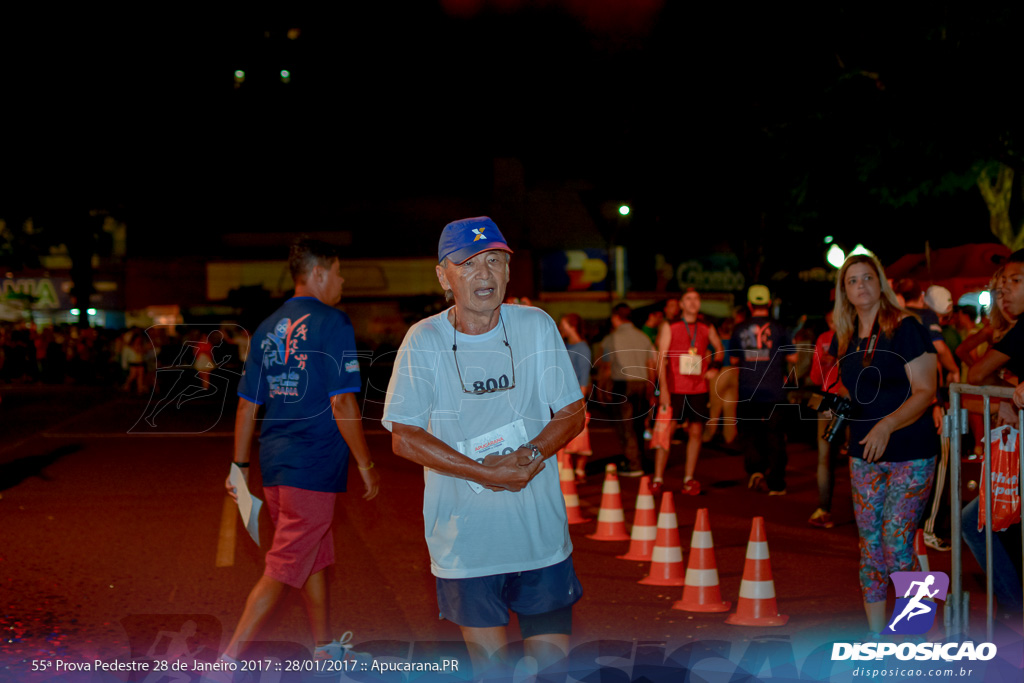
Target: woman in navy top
[{"x": 888, "y": 366}]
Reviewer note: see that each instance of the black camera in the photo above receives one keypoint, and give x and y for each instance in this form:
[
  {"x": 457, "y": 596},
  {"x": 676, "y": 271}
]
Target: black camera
[{"x": 841, "y": 409}]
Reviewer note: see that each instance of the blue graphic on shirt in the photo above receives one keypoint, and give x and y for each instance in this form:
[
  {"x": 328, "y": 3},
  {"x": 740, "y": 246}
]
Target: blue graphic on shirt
[
  {"x": 757, "y": 342},
  {"x": 284, "y": 342},
  {"x": 285, "y": 384}
]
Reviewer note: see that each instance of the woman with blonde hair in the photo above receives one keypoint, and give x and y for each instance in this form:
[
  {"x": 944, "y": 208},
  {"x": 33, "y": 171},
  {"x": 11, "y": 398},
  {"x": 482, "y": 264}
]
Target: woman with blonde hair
[
  {"x": 1000, "y": 320},
  {"x": 887, "y": 360},
  {"x": 979, "y": 346}
]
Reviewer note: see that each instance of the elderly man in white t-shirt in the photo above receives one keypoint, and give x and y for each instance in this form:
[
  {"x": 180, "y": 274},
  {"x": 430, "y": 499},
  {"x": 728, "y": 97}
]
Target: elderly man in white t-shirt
[{"x": 482, "y": 395}]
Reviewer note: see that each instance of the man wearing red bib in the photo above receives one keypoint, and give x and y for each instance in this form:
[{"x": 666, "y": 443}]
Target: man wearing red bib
[{"x": 687, "y": 350}]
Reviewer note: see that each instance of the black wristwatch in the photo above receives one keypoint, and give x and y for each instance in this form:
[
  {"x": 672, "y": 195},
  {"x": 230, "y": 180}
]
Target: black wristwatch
[{"x": 536, "y": 451}]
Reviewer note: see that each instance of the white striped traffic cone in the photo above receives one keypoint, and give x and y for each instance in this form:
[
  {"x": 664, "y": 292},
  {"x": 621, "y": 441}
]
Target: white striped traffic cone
[
  {"x": 667, "y": 567},
  {"x": 756, "y": 606},
  {"x": 567, "y": 480},
  {"x": 611, "y": 523},
  {"x": 645, "y": 525},
  {"x": 701, "y": 592}
]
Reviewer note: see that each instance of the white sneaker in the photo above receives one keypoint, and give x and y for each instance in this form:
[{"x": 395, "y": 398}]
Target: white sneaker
[
  {"x": 340, "y": 650},
  {"x": 936, "y": 543}
]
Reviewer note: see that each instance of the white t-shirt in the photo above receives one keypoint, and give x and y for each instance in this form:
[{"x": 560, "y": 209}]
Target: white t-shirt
[{"x": 473, "y": 534}]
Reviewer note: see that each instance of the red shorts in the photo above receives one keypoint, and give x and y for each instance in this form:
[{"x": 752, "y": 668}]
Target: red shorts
[{"x": 303, "y": 543}]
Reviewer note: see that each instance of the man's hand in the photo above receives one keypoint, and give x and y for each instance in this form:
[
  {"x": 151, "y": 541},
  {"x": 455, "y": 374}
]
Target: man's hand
[
  {"x": 665, "y": 400},
  {"x": 513, "y": 471},
  {"x": 1007, "y": 415},
  {"x": 1018, "y": 396},
  {"x": 232, "y": 491},
  {"x": 371, "y": 480}
]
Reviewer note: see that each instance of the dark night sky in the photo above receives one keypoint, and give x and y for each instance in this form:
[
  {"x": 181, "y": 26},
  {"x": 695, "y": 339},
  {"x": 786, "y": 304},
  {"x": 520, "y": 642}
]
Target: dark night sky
[{"x": 708, "y": 118}]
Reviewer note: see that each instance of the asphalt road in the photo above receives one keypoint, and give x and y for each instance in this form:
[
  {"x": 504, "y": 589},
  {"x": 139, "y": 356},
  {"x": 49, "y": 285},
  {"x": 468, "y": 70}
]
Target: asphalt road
[{"x": 114, "y": 531}]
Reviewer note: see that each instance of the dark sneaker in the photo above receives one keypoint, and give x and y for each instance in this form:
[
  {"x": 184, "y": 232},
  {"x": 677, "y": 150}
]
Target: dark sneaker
[
  {"x": 780, "y": 492},
  {"x": 631, "y": 473},
  {"x": 756, "y": 482}
]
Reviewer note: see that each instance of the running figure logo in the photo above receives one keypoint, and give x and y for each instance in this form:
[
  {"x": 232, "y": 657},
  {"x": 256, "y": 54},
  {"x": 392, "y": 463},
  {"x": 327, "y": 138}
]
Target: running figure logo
[{"x": 914, "y": 613}]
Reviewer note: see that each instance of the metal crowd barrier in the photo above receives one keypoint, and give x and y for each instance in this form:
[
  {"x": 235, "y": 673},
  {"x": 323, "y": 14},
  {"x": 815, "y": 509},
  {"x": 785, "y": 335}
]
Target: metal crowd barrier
[{"x": 956, "y": 615}]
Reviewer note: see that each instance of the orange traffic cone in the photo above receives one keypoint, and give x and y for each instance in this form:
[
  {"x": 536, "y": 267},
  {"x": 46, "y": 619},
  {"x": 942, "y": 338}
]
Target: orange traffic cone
[
  {"x": 645, "y": 525},
  {"x": 756, "y": 606},
  {"x": 567, "y": 479},
  {"x": 580, "y": 445},
  {"x": 701, "y": 592},
  {"x": 611, "y": 523},
  {"x": 921, "y": 550},
  {"x": 667, "y": 557}
]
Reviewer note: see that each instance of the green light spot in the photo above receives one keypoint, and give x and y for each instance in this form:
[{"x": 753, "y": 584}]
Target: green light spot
[
  {"x": 240, "y": 75},
  {"x": 829, "y": 239},
  {"x": 285, "y": 73},
  {"x": 624, "y": 210}
]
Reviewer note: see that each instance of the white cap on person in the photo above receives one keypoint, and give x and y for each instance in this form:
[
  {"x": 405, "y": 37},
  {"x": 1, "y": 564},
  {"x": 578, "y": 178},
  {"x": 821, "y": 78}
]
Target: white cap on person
[{"x": 939, "y": 299}]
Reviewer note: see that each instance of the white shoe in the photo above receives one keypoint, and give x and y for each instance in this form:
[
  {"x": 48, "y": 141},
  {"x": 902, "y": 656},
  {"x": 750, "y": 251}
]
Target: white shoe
[
  {"x": 936, "y": 543},
  {"x": 340, "y": 650}
]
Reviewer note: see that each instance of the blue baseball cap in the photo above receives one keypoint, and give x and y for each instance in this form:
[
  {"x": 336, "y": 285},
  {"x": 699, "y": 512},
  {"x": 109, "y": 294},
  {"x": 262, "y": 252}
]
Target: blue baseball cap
[{"x": 468, "y": 237}]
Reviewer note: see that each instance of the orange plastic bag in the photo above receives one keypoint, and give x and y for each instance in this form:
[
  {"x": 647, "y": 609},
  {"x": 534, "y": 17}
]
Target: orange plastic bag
[
  {"x": 1005, "y": 481},
  {"x": 661, "y": 435}
]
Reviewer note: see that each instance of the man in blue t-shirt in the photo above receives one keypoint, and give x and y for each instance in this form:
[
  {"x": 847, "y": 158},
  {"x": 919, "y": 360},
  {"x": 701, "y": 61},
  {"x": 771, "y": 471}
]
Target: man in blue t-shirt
[
  {"x": 302, "y": 368},
  {"x": 763, "y": 351}
]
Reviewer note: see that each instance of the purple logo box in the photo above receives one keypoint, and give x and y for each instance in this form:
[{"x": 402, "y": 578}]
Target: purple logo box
[{"x": 915, "y": 608}]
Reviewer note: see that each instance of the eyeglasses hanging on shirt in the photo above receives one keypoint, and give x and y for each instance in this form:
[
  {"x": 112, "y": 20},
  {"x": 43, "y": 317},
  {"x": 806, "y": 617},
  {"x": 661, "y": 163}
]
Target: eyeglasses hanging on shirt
[{"x": 484, "y": 389}]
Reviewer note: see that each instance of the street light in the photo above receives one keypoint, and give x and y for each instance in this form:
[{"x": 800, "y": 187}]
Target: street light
[
  {"x": 624, "y": 209},
  {"x": 835, "y": 256},
  {"x": 860, "y": 250},
  {"x": 984, "y": 299}
]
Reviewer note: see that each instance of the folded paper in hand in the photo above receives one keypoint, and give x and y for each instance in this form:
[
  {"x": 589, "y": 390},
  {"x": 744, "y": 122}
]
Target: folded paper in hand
[{"x": 248, "y": 504}]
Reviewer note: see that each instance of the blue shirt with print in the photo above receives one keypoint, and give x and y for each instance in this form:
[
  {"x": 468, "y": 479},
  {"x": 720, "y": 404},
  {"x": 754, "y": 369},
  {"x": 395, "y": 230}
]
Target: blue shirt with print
[
  {"x": 762, "y": 345},
  {"x": 299, "y": 358}
]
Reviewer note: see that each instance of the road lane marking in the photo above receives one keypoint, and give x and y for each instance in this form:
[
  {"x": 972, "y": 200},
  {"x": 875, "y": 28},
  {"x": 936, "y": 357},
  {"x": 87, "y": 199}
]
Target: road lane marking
[{"x": 226, "y": 542}]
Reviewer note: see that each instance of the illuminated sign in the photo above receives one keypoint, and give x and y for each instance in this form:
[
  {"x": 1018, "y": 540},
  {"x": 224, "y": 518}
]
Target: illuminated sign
[{"x": 40, "y": 291}]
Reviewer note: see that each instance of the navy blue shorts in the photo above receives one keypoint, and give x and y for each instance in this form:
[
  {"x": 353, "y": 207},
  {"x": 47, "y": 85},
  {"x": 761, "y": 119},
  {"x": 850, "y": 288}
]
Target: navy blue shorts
[{"x": 485, "y": 601}]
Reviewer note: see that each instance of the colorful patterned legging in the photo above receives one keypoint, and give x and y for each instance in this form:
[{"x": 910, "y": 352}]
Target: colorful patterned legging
[{"x": 889, "y": 499}]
